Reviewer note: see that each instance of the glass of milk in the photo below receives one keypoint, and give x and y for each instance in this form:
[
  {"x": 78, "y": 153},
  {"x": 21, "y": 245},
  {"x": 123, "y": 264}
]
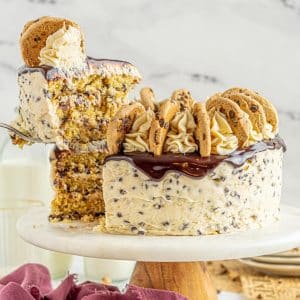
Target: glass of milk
[
  {"x": 25, "y": 183},
  {"x": 102, "y": 269}
]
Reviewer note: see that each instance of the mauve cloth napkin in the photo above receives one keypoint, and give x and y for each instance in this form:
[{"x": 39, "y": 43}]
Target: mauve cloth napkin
[{"x": 33, "y": 282}]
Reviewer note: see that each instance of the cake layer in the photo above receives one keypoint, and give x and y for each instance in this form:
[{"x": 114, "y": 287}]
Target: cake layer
[
  {"x": 77, "y": 182},
  {"x": 72, "y": 110},
  {"x": 228, "y": 197}
]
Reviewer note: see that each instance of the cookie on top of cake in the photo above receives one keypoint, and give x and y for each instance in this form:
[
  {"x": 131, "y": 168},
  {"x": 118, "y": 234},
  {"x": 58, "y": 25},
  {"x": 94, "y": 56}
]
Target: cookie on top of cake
[{"x": 182, "y": 167}]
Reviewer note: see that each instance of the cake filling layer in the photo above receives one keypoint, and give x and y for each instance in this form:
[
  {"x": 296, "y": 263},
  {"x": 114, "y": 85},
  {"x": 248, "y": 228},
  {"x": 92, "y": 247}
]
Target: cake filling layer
[{"x": 77, "y": 182}]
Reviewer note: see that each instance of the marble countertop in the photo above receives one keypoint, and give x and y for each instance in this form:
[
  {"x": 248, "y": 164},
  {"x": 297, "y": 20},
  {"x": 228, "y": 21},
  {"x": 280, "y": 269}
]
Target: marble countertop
[{"x": 204, "y": 46}]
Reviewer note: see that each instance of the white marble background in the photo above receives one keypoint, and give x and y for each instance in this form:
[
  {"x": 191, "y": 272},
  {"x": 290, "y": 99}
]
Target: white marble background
[{"x": 204, "y": 46}]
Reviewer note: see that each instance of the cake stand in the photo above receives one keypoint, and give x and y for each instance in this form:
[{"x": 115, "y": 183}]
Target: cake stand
[{"x": 165, "y": 262}]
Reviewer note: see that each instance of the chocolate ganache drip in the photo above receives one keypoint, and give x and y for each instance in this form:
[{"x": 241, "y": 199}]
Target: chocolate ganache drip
[
  {"x": 51, "y": 73},
  {"x": 193, "y": 164}
]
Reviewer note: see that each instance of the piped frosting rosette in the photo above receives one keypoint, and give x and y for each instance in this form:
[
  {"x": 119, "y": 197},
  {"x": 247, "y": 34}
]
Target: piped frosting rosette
[{"x": 225, "y": 122}]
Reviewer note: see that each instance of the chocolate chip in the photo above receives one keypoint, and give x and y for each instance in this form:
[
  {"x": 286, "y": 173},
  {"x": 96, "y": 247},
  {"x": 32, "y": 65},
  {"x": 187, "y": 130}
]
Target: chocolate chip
[
  {"x": 161, "y": 123},
  {"x": 119, "y": 215},
  {"x": 228, "y": 203},
  {"x": 184, "y": 226},
  {"x": 122, "y": 192},
  {"x": 37, "y": 39},
  {"x": 166, "y": 223},
  {"x": 231, "y": 114},
  {"x": 157, "y": 206},
  {"x": 133, "y": 229},
  {"x": 254, "y": 108}
]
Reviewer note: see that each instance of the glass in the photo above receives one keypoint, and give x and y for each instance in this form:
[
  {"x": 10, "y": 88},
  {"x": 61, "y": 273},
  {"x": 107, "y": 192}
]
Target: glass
[
  {"x": 115, "y": 270},
  {"x": 24, "y": 184}
]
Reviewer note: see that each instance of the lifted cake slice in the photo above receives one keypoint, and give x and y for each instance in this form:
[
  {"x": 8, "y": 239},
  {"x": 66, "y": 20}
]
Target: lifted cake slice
[{"x": 65, "y": 97}]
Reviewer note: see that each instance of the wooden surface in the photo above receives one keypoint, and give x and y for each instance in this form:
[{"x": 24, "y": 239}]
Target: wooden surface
[{"x": 191, "y": 279}]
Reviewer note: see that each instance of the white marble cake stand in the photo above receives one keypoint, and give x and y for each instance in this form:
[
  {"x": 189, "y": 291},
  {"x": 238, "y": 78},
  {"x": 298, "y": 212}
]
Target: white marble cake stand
[{"x": 165, "y": 262}]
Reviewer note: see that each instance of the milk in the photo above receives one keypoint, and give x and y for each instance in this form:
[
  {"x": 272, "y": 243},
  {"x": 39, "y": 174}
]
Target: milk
[
  {"x": 116, "y": 270},
  {"x": 25, "y": 183}
]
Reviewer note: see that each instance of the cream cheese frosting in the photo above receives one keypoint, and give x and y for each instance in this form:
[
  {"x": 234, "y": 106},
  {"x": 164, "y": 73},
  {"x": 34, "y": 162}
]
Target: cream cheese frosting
[
  {"x": 268, "y": 132},
  {"x": 223, "y": 141},
  {"x": 180, "y": 138},
  {"x": 37, "y": 115},
  {"x": 64, "y": 49},
  {"x": 137, "y": 139}
]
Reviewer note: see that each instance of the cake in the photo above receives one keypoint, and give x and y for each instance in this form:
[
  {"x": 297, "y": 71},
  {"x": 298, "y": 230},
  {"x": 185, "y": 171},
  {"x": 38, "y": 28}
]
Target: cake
[
  {"x": 65, "y": 97},
  {"x": 182, "y": 167},
  {"x": 175, "y": 167},
  {"x": 77, "y": 182}
]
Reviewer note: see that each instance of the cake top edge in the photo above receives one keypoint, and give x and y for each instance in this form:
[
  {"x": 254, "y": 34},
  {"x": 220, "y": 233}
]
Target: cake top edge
[
  {"x": 222, "y": 124},
  {"x": 56, "y": 46},
  {"x": 192, "y": 164},
  {"x": 102, "y": 66}
]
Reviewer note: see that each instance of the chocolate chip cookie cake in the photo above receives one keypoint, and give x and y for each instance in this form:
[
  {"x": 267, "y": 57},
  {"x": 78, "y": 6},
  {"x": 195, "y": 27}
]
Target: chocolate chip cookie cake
[
  {"x": 175, "y": 167},
  {"x": 65, "y": 97},
  {"x": 182, "y": 167}
]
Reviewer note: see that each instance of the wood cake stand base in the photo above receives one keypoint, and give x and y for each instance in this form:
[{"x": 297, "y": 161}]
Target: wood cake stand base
[{"x": 191, "y": 279}]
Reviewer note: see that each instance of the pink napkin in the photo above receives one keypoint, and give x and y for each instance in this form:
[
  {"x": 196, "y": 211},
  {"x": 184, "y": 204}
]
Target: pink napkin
[{"x": 33, "y": 282}]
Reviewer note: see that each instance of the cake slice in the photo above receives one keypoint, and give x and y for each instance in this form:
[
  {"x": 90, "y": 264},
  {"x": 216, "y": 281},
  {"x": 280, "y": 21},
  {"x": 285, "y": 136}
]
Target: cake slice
[
  {"x": 65, "y": 97},
  {"x": 77, "y": 183},
  {"x": 189, "y": 168}
]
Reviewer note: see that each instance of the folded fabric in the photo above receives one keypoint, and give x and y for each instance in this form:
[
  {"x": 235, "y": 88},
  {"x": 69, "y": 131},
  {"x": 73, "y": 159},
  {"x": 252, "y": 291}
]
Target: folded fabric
[{"x": 33, "y": 282}]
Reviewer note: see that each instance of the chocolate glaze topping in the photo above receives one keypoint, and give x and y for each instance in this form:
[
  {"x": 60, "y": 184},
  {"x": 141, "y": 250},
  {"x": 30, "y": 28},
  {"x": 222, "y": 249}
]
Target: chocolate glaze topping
[
  {"x": 51, "y": 73},
  {"x": 193, "y": 164}
]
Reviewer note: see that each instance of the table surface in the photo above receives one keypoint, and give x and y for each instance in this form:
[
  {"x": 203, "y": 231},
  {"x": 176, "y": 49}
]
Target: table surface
[{"x": 284, "y": 235}]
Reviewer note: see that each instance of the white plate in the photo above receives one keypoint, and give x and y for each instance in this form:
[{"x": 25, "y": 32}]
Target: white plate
[
  {"x": 278, "y": 260},
  {"x": 273, "y": 269},
  {"x": 291, "y": 253},
  {"x": 284, "y": 235}
]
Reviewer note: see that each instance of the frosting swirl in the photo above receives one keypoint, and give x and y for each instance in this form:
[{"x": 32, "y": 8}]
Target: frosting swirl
[
  {"x": 223, "y": 141},
  {"x": 63, "y": 49},
  {"x": 137, "y": 139},
  {"x": 180, "y": 138},
  {"x": 268, "y": 132}
]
